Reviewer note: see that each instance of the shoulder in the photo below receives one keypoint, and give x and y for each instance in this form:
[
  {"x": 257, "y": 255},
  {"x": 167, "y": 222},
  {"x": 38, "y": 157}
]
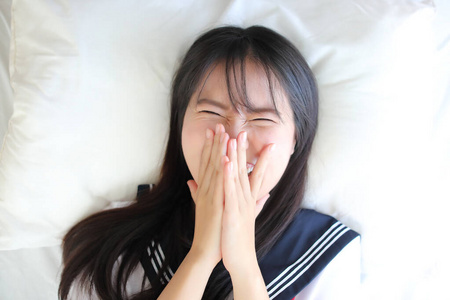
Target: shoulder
[
  {"x": 341, "y": 279},
  {"x": 308, "y": 245},
  {"x": 312, "y": 233}
]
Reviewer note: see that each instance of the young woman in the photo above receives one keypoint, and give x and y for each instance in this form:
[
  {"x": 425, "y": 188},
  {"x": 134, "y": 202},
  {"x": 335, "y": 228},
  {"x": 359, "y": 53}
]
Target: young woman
[{"x": 225, "y": 219}]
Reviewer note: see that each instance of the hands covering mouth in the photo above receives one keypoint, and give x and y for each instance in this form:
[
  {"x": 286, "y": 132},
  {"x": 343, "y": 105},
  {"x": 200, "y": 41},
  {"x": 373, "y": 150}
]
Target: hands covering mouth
[{"x": 227, "y": 198}]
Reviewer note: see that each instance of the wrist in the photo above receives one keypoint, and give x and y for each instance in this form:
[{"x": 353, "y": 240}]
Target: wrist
[
  {"x": 203, "y": 258},
  {"x": 243, "y": 263},
  {"x": 248, "y": 282},
  {"x": 247, "y": 268},
  {"x": 190, "y": 278}
]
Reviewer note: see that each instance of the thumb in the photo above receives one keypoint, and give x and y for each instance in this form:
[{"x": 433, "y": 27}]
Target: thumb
[
  {"x": 260, "y": 204},
  {"x": 192, "y": 188}
]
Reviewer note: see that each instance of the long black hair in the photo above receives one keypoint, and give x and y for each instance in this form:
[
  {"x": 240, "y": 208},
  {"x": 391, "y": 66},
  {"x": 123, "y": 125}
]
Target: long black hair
[{"x": 101, "y": 252}]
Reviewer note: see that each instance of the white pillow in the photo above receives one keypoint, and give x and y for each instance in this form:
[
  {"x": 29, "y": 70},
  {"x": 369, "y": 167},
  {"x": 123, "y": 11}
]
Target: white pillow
[
  {"x": 91, "y": 86},
  {"x": 6, "y": 102}
]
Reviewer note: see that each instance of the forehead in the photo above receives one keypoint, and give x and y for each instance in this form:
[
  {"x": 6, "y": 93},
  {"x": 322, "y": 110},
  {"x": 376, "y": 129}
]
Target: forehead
[{"x": 244, "y": 87}]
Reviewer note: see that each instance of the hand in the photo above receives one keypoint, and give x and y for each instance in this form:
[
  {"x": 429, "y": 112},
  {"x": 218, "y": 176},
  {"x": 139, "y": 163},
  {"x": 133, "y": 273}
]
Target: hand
[
  {"x": 241, "y": 205},
  {"x": 208, "y": 195}
]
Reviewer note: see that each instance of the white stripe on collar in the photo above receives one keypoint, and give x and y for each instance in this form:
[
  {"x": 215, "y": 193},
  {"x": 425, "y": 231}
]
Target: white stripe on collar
[
  {"x": 296, "y": 269},
  {"x": 160, "y": 257}
]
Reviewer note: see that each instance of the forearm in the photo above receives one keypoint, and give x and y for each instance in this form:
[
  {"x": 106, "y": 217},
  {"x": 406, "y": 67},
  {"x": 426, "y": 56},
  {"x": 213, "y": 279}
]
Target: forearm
[
  {"x": 248, "y": 283},
  {"x": 189, "y": 279}
]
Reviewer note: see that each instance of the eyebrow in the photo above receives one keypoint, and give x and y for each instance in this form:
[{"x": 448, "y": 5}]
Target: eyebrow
[
  {"x": 258, "y": 110},
  {"x": 212, "y": 102}
]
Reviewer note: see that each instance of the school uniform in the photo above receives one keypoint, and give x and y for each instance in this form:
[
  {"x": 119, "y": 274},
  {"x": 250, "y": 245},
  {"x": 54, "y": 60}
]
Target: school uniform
[
  {"x": 296, "y": 266},
  {"x": 316, "y": 258}
]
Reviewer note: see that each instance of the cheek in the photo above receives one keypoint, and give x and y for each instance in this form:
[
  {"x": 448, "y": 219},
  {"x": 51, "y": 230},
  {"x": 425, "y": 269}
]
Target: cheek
[
  {"x": 282, "y": 138},
  {"x": 192, "y": 140},
  {"x": 275, "y": 169},
  {"x": 284, "y": 141}
]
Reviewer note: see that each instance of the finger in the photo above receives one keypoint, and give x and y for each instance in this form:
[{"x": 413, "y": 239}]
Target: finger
[
  {"x": 217, "y": 162},
  {"x": 215, "y": 142},
  {"x": 232, "y": 154},
  {"x": 193, "y": 189},
  {"x": 260, "y": 204},
  {"x": 206, "y": 153},
  {"x": 242, "y": 146},
  {"x": 221, "y": 149},
  {"x": 218, "y": 188},
  {"x": 231, "y": 203},
  {"x": 214, "y": 161},
  {"x": 260, "y": 168},
  {"x": 239, "y": 193}
]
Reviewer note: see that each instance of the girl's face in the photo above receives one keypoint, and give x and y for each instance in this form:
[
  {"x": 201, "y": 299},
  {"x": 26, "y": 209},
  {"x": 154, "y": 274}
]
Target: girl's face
[{"x": 211, "y": 105}]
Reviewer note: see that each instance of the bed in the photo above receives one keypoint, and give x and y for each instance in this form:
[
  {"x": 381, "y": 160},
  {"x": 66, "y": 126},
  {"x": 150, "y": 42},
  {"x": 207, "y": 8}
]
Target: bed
[{"x": 84, "y": 91}]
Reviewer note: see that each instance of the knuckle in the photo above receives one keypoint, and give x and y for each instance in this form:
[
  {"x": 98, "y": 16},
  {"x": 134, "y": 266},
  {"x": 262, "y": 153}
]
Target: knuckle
[{"x": 243, "y": 171}]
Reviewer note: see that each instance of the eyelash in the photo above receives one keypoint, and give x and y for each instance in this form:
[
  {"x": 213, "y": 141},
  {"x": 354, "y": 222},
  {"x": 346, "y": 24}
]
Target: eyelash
[
  {"x": 263, "y": 119},
  {"x": 219, "y": 115},
  {"x": 210, "y": 112}
]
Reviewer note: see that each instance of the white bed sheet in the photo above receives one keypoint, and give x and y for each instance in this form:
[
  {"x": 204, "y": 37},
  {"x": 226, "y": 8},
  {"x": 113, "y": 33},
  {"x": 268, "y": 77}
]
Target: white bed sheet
[{"x": 405, "y": 249}]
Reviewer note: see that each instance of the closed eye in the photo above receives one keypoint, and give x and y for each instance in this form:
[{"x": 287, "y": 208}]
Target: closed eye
[
  {"x": 210, "y": 112},
  {"x": 263, "y": 119}
]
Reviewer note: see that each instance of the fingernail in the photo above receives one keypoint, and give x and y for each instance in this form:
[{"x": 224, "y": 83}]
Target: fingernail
[
  {"x": 208, "y": 133},
  {"x": 234, "y": 144},
  {"x": 271, "y": 147},
  {"x": 217, "y": 128}
]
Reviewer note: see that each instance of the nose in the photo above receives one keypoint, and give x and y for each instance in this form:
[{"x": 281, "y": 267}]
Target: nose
[{"x": 233, "y": 128}]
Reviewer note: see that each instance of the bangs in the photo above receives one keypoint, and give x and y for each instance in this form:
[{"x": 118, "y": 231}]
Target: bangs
[{"x": 235, "y": 72}]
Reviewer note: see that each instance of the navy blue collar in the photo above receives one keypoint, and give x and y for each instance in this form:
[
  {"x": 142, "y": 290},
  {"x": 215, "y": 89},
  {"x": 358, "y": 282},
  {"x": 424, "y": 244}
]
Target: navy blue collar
[{"x": 306, "y": 247}]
